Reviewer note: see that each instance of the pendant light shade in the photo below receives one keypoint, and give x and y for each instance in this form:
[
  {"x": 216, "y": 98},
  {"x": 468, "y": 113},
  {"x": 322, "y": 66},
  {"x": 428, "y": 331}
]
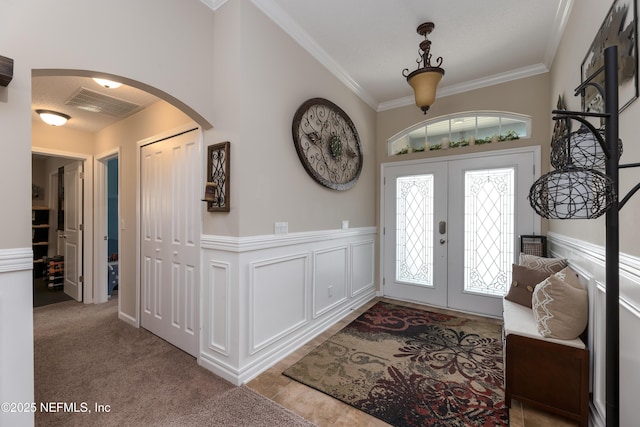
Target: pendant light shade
[
  {"x": 53, "y": 118},
  {"x": 424, "y": 84},
  {"x": 425, "y": 79}
]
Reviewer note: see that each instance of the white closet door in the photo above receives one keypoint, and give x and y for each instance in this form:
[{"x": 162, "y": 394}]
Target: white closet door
[{"x": 170, "y": 239}]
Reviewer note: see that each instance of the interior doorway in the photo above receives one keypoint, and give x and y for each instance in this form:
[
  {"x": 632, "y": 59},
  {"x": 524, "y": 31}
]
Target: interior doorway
[
  {"x": 107, "y": 237},
  {"x": 48, "y": 178},
  {"x": 58, "y": 227}
]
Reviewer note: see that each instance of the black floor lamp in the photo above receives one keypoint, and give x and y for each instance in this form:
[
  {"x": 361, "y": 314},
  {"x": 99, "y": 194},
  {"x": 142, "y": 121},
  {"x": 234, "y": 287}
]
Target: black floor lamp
[{"x": 577, "y": 189}]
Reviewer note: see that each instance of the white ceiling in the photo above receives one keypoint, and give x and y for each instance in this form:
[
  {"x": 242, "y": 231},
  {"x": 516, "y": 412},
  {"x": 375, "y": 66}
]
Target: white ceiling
[
  {"x": 367, "y": 44},
  {"x": 53, "y": 92}
]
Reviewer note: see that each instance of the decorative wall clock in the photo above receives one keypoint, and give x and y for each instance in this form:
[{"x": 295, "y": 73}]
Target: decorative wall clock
[{"x": 327, "y": 143}]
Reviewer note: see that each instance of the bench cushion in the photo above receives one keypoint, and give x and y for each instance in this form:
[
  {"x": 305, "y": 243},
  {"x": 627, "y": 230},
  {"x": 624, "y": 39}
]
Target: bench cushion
[{"x": 519, "y": 320}]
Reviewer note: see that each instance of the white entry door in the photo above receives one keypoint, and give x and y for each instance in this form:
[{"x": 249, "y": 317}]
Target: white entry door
[
  {"x": 170, "y": 239},
  {"x": 451, "y": 229},
  {"x": 415, "y": 262},
  {"x": 73, "y": 235}
]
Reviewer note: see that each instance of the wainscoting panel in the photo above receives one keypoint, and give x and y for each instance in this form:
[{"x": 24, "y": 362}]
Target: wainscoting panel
[
  {"x": 329, "y": 279},
  {"x": 363, "y": 255},
  {"x": 629, "y": 363},
  {"x": 218, "y": 332},
  {"x": 16, "y": 333},
  {"x": 265, "y": 296},
  {"x": 591, "y": 258},
  {"x": 597, "y": 337},
  {"x": 277, "y": 291}
]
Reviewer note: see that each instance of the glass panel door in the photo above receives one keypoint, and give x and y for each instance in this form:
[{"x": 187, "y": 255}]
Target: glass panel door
[
  {"x": 414, "y": 229},
  {"x": 414, "y": 259},
  {"x": 489, "y": 217},
  {"x": 450, "y": 229},
  {"x": 488, "y": 211}
]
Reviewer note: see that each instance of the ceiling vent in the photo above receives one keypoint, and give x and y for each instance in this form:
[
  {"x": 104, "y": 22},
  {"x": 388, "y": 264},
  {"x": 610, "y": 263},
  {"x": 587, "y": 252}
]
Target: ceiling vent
[{"x": 96, "y": 102}]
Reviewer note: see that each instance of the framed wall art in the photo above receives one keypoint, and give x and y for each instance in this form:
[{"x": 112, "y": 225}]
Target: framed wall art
[
  {"x": 619, "y": 28},
  {"x": 217, "y": 186}
]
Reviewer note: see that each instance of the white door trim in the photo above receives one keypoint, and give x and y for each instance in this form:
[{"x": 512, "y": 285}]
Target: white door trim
[
  {"x": 535, "y": 149},
  {"x": 101, "y": 221},
  {"x": 88, "y": 286},
  {"x": 163, "y": 135}
]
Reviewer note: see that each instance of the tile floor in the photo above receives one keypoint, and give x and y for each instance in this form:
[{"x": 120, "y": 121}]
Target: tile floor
[{"x": 323, "y": 410}]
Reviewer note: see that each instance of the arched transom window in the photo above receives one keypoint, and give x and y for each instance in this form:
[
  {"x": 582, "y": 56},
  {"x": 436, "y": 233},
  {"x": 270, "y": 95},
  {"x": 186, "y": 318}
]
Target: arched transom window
[{"x": 460, "y": 130}]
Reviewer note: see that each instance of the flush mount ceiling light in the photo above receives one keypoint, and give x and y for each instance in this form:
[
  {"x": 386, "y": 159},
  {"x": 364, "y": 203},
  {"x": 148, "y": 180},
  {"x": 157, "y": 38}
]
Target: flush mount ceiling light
[
  {"x": 53, "y": 118},
  {"x": 425, "y": 79},
  {"x": 109, "y": 84}
]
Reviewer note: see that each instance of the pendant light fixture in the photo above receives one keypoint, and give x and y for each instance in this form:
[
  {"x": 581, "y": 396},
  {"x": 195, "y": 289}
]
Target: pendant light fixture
[
  {"x": 53, "y": 118},
  {"x": 425, "y": 79}
]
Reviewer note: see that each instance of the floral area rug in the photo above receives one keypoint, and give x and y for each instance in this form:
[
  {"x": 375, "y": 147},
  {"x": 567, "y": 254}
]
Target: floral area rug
[{"x": 411, "y": 367}]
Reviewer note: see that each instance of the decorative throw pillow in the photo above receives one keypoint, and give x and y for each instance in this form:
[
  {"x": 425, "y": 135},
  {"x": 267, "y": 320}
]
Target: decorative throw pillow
[
  {"x": 550, "y": 265},
  {"x": 523, "y": 282},
  {"x": 561, "y": 306}
]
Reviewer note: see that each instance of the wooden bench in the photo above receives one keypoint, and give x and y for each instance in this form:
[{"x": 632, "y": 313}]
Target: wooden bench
[{"x": 547, "y": 373}]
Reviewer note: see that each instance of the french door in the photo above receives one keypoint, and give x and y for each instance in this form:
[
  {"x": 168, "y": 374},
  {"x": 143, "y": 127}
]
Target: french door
[{"x": 450, "y": 229}]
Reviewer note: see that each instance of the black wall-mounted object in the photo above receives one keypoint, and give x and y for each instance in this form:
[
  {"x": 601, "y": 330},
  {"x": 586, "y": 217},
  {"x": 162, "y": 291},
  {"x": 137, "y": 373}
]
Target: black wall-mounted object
[
  {"x": 218, "y": 186},
  {"x": 6, "y": 70}
]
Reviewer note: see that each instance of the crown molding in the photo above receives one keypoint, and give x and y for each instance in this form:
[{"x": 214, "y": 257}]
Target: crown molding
[
  {"x": 289, "y": 26},
  {"x": 558, "y": 27},
  {"x": 284, "y": 21},
  {"x": 214, "y": 4},
  {"x": 495, "y": 79}
]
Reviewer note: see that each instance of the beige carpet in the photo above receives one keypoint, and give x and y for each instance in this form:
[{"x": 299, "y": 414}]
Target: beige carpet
[{"x": 85, "y": 356}]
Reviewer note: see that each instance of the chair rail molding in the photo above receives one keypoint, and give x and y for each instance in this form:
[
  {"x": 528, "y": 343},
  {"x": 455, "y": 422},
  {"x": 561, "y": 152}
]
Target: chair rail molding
[
  {"x": 251, "y": 243},
  {"x": 16, "y": 259}
]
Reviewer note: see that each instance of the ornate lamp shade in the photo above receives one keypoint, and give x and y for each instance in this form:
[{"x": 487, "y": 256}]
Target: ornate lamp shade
[
  {"x": 582, "y": 149},
  {"x": 572, "y": 193},
  {"x": 425, "y": 79},
  {"x": 424, "y": 83}
]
